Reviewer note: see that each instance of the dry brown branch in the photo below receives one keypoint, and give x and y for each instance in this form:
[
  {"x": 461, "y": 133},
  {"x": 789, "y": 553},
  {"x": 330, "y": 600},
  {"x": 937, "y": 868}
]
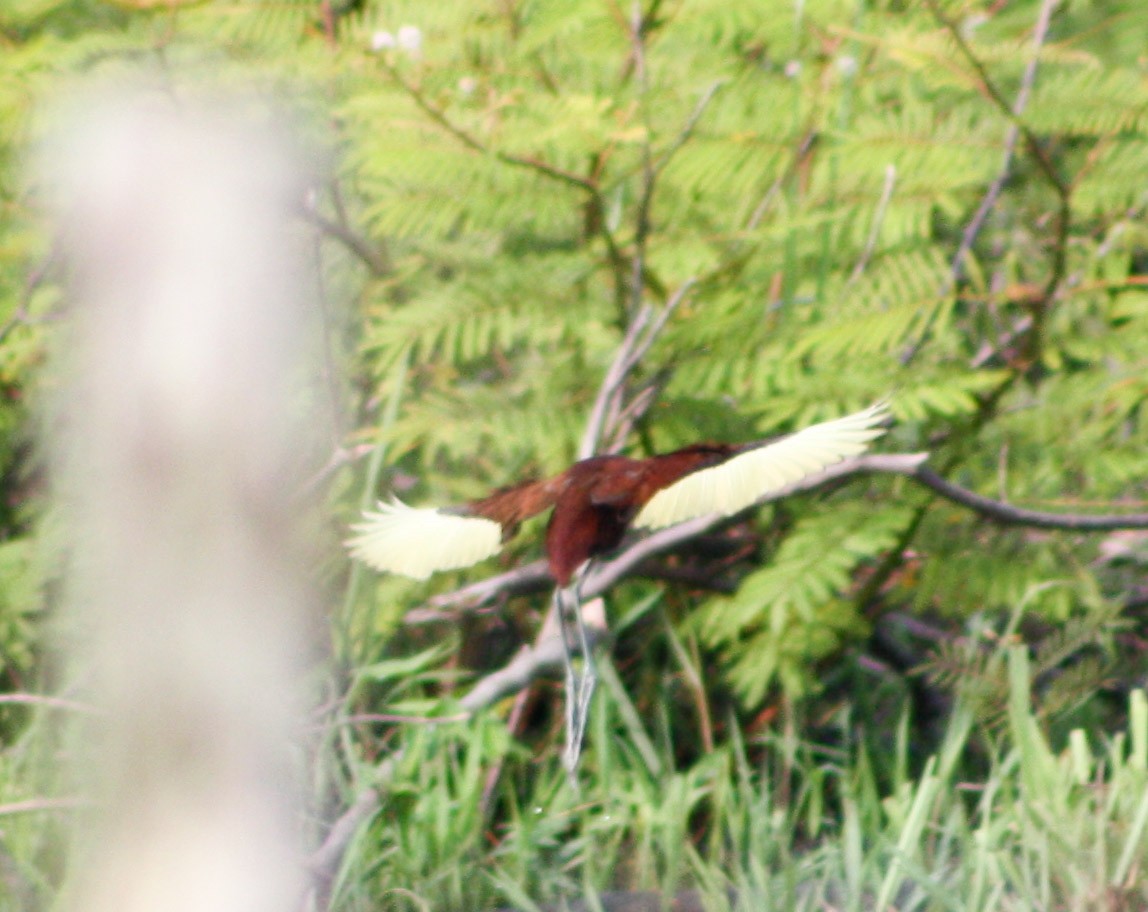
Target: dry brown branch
[{"x": 376, "y": 261}]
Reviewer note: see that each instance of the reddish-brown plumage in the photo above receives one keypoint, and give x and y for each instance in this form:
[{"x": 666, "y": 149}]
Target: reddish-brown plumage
[
  {"x": 511, "y": 506},
  {"x": 594, "y": 501}
]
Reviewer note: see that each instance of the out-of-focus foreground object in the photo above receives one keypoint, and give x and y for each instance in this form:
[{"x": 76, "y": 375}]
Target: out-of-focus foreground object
[{"x": 172, "y": 443}]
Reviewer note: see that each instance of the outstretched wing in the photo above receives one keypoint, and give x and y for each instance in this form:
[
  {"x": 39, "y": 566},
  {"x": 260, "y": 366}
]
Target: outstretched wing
[
  {"x": 417, "y": 542},
  {"x": 740, "y": 481}
]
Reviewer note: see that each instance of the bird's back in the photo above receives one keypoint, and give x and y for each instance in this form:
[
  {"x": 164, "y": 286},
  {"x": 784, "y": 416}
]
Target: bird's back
[{"x": 599, "y": 497}]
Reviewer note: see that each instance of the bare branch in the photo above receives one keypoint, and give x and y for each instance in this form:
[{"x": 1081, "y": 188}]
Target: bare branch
[
  {"x": 640, "y": 335},
  {"x": 989, "y": 201},
  {"x": 689, "y": 126},
  {"x": 22, "y": 315},
  {"x": 668, "y": 311},
  {"x": 606, "y": 574},
  {"x": 532, "y": 662},
  {"x": 340, "y": 456},
  {"x": 589, "y": 184},
  {"x": 376, "y": 261},
  {"x": 631, "y": 413},
  {"x": 767, "y": 198},
  {"x": 612, "y": 383},
  {"x": 968, "y": 238},
  {"x": 1032, "y": 141},
  {"x": 1018, "y": 516},
  {"x": 324, "y": 862},
  {"x": 471, "y": 142},
  {"x": 878, "y": 218},
  {"x": 532, "y": 577}
]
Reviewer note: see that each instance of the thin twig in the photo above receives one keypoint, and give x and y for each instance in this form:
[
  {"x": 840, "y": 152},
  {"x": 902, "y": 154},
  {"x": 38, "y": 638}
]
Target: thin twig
[
  {"x": 688, "y": 128},
  {"x": 989, "y": 200},
  {"x": 391, "y": 718},
  {"x": 21, "y": 316},
  {"x": 969, "y": 236},
  {"x": 588, "y": 184},
  {"x": 651, "y": 336},
  {"x": 1036, "y": 150},
  {"x": 1032, "y": 141},
  {"x": 640, "y": 335},
  {"x": 641, "y": 233},
  {"x": 340, "y": 457},
  {"x": 325, "y": 861},
  {"x": 640, "y": 403},
  {"x": 878, "y": 219},
  {"x": 38, "y": 275},
  {"x": 620, "y": 417},
  {"x": 471, "y": 142},
  {"x": 531, "y": 577},
  {"x": 612, "y": 383},
  {"x": 376, "y": 261},
  {"x": 637, "y": 43},
  {"x": 637, "y": 34},
  {"x": 767, "y": 198}
]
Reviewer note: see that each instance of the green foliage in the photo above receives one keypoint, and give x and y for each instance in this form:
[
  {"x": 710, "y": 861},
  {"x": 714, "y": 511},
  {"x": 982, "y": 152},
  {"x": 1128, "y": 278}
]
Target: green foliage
[
  {"x": 780, "y": 826},
  {"x": 504, "y": 197},
  {"x": 21, "y": 597},
  {"x": 788, "y": 614},
  {"x": 1070, "y": 665}
]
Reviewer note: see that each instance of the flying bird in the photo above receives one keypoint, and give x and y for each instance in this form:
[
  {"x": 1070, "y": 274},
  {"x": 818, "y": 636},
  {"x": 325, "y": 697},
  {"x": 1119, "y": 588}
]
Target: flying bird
[{"x": 594, "y": 503}]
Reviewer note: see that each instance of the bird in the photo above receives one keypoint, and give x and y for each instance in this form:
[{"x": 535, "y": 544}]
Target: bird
[{"x": 594, "y": 503}]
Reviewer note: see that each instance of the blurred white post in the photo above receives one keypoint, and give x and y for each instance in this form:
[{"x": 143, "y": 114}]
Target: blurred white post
[{"x": 173, "y": 445}]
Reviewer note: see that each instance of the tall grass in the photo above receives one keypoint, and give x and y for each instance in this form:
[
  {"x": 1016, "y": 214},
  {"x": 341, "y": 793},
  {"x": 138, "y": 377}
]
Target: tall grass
[{"x": 824, "y": 830}]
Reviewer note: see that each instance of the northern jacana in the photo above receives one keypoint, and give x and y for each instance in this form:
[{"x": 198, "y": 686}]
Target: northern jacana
[{"x": 595, "y": 502}]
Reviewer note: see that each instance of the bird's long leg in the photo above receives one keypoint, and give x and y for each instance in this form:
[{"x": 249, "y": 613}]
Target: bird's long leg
[
  {"x": 589, "y": 679},
  {"x": 579, "y": 687},
  {"x": 571, "y": 684}
]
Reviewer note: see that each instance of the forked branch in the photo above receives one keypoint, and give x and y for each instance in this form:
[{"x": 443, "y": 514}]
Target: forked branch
[{"x": 608, "y": 404}]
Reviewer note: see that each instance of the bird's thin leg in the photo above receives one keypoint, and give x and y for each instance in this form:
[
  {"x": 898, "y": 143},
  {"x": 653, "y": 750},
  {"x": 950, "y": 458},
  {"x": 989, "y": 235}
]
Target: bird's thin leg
[
  {"x": 572, "y": 684},
  {"x": 580, "y": 688},
  {"x": 589, "y": 679}
]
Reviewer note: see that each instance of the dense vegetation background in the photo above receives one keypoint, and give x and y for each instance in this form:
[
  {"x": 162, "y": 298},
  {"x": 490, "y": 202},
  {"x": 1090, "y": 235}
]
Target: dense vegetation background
[{"x": 783, "y": 212}]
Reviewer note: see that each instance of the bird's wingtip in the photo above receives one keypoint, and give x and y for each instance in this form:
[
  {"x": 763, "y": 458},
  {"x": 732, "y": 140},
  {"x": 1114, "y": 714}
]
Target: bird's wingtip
[
  {"x": 418, "y": 541},
  {"x": 731, "y": 486}
]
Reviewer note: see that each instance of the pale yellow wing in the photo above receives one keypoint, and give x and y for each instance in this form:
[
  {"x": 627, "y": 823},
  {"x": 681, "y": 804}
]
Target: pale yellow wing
[
  {"x": 739, "y": 482},
  {"x": 418, "y": 542}
]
